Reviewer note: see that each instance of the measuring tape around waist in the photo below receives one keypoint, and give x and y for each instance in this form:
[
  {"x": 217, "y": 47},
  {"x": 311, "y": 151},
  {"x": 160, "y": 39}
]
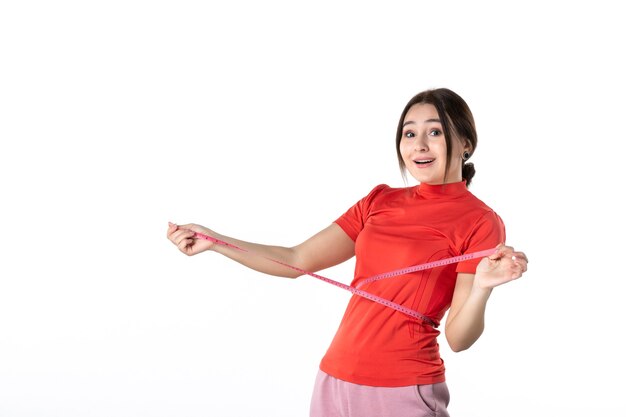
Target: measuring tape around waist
[{"x": 357, "y": 291}]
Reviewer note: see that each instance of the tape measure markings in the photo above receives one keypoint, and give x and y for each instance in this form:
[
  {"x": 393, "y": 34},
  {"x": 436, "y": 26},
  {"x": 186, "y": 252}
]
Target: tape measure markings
[{"x": 428, "y": 265}]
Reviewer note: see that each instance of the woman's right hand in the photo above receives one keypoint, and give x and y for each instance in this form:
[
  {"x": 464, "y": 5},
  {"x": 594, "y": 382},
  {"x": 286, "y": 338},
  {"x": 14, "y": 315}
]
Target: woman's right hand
[{"x": 183, "y": 238}]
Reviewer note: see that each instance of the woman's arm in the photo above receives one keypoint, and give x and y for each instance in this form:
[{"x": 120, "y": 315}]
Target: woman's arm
[
  {"x": 327, "y": 248},
  {"x": 466, "y": 318}
]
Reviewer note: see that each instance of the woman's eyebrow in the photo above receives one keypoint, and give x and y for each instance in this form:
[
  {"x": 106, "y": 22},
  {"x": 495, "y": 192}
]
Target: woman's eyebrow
[{"x": 425, "y": 121}]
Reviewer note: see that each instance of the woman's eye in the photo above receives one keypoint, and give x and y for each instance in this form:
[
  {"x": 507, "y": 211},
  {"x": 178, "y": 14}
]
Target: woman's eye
[
  {"x": 435, "y": 132},
  {"x": 409, "y": 135}
]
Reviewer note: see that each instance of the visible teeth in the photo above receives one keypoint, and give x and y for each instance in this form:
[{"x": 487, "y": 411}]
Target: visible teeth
[{"x": 423, "y": 162}]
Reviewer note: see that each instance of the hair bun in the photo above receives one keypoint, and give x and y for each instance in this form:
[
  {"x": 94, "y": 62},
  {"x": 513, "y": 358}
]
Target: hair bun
[{"x": 468, "y": 172}]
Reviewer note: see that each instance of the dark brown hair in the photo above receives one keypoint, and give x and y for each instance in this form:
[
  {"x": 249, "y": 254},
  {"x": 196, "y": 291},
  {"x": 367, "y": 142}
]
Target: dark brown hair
[{"x": 456, "y": 120}]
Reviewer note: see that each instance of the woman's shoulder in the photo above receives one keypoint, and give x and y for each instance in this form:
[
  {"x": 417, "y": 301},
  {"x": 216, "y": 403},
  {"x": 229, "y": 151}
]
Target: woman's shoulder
[{"x": 482, "y": 213}]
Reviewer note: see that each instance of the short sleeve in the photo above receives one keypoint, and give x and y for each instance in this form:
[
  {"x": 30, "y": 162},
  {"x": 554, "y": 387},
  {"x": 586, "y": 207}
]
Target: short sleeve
[
  {"x": 488, "y": 233},
  {"x": 353, "y": 220}
]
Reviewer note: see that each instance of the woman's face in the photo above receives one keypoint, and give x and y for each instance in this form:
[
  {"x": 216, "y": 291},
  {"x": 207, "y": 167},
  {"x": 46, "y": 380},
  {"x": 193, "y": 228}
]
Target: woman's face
[{"x": 423, "y": 147}]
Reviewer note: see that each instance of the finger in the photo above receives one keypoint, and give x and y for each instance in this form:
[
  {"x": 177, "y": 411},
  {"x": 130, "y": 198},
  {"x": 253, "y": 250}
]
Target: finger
[
  {"x": 175, "y": 235},
  {"x": 520, "y": 262},
  {"x": 524, "y": 266},
  {"x": 185, "y": 244},
  {"x": 187, "y": 234},
  {"x": 520, "y": 259},
  {"x": 520, "y": 268},
  {"x": 171, "y": 228},
  {"x": 501, "y": 251},
  {"x": 180, "y": 235},
  {"x": 520, "y": 255},
  {"x": 515, "y": 271},
  {"x": 189, "y": 226}
]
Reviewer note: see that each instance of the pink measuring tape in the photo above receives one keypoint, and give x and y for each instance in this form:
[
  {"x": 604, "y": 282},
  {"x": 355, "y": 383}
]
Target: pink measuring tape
[{"x": 409, "y": 312}]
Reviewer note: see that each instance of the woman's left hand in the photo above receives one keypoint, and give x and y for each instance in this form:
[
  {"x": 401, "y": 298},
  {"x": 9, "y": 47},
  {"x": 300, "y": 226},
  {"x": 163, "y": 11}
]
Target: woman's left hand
[{"x": 503, "y": 266}]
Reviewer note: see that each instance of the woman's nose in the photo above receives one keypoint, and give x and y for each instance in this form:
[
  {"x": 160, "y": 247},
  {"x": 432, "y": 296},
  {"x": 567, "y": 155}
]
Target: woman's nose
[{"x": 421, "y": 144}]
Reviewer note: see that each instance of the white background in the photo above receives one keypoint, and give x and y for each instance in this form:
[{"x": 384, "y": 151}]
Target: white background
[{"x": 266, "y": 121}]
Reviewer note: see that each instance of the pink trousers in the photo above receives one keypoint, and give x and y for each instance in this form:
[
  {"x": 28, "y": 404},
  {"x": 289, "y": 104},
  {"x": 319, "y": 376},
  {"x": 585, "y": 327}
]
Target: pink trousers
[{"x": 336, "y": 398}]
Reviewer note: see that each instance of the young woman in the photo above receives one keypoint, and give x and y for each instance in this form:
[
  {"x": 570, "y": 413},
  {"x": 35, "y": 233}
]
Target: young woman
[{"x": 383, "y": 362}]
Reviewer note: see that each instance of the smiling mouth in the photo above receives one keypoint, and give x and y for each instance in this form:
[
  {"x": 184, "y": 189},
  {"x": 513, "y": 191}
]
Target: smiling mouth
[{"x": 424, "y": 161}]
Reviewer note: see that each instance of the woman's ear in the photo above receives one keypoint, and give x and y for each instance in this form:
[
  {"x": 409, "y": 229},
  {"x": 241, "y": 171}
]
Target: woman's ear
[{"x": 467, "y": 146}]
